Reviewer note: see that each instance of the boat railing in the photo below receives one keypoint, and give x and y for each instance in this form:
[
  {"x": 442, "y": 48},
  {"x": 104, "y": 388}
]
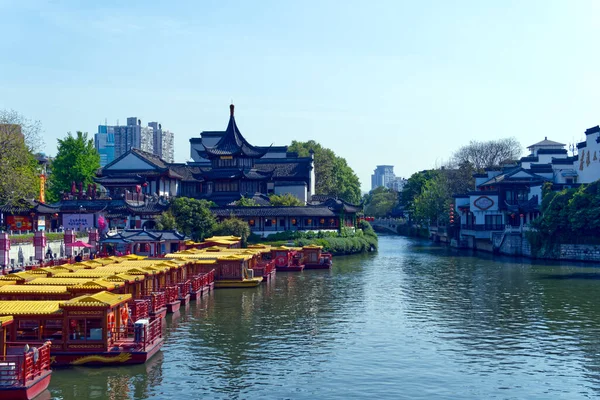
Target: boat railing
[
  {"x": 157, "y": 301},
  {"x": 139, "y": 308},
  {"x": 184, "y": 289},
  {"x": 152, "y": 332},
  {"x": 17, "y": 369},
  {"x": 171, "y": 295}
]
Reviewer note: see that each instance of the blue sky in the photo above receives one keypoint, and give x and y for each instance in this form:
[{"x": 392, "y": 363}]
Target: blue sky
[{"x": 382, "y": 82}]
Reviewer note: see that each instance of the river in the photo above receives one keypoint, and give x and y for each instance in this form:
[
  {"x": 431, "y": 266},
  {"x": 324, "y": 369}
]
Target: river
[{"x": 414, "y": 321}]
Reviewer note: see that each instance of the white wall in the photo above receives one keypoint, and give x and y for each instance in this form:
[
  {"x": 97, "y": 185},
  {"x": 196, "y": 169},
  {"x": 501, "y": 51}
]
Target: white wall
[{"x": 589, "y": 173}]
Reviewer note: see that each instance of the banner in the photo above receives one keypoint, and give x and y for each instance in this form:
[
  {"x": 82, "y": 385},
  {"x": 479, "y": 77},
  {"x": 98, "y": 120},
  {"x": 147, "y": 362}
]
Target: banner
[
  {"x": 78, "y": 221},
  {"x": 19, "y": 223}
]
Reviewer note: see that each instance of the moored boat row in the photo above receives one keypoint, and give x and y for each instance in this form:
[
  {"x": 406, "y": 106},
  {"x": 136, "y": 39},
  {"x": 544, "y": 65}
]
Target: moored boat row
[{"x": 109, "y": 311}]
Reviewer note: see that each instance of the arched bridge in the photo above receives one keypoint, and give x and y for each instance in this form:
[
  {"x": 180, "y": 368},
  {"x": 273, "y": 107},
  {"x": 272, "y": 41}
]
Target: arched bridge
[{"x": 386, "y": 224}]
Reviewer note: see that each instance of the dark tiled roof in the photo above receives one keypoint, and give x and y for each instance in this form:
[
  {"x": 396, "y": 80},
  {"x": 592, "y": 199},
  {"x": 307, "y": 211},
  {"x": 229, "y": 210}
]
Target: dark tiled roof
[
  {"x": 234, "y": 173},
  {"x": 233, "y": 143},
  {"x": 286, "y": 170},
  {"x": 593, "y": 129},
  {"x": 563, "y": 161},
  {"x": 530, "y": 158},
  {"x": 188, "y": 173},
  {"x": 120, "y": 179},
  {"x": 581, "y": 145},
  {"x": 507, "y": 178},
  {"x": 552, "y": 151}
]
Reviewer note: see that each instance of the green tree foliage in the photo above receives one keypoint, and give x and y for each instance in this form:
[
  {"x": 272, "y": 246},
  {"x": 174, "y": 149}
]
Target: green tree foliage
[
  {"x": 193, "y": 217},
  {"x": 233, "y": 226},
  {"x": 286, "y": 199},
  {"x": 166, "y": 221},
  {"x": 414, "y": 187},
  {"x": 246, "y": 202},
  {"x": 333, "y": 175},
  {"x": 432, "y": 204},
  {"x": 76, "y": 161},
  {"x": 19, "y": 174},
  {"x": 380, "y": 202},
  {"x": 571, "y": 215}
]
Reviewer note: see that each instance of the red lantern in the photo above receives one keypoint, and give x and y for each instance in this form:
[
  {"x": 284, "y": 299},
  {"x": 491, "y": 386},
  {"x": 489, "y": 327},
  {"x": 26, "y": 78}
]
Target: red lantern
[
  {"x": 521, "y": 215},
  {"x": 138, "y": 188},
  {"x": 145, "y": 184},
  {"x": 512, "y": 215}
]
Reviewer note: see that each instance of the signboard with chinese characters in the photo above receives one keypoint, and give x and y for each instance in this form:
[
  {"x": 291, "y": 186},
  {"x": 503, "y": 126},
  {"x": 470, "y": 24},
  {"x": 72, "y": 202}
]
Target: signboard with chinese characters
[
  {"x": 483, "y": 202},
  {"x": 78, "y": 221}
]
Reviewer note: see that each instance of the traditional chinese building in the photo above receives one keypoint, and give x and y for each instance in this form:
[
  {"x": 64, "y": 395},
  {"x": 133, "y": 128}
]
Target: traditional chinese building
[{"x": 224, "y": 167}]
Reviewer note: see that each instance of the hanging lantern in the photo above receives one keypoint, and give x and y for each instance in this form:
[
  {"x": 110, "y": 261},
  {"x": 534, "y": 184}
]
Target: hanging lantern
[
  {"x": 309, "y": 221},
  {"x": 322, "y": 221},
  {"x": 293, "y": 221},
  {"x": 521, "y": 215},
  {"x": 145, "y": 184},
  {"x": 512, "y": 215},
  {"x": 251, "y": 222}
]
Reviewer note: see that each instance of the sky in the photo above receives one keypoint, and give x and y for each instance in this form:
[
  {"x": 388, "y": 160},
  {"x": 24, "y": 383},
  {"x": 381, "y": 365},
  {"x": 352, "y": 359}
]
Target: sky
[{"x": 401, "y": 83}]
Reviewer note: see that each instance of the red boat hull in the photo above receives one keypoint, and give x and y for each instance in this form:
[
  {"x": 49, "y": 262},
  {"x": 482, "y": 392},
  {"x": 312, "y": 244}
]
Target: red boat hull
[
  {"x": 31, "y": 390},
  {"x": 104, "y": 358}
]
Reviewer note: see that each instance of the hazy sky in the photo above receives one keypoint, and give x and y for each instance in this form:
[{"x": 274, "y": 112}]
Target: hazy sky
[{"x": 380, "y": 82}]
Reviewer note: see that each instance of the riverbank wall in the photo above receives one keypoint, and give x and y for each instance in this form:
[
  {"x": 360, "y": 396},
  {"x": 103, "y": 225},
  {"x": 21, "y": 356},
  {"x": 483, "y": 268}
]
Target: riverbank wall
[{"x": 515, "y": 243}]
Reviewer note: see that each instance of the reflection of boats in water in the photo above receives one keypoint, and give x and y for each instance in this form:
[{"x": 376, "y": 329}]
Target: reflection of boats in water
[{"x": 135, "y": 381}]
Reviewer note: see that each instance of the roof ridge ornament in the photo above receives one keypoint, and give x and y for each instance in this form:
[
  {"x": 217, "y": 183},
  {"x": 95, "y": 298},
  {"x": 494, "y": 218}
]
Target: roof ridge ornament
[{"x": 231, "y": 109}]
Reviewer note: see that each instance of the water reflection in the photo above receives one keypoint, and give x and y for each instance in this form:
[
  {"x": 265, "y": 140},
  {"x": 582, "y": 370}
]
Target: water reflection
[
  {"x": 131, "y": 382},
  {"x": 415, "y": 320}
]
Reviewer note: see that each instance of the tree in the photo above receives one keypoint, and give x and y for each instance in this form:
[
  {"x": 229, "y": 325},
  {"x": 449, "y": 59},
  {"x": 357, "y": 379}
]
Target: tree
[
  {"x": 380, "y": 202},
  {"x": 193, "y": 217},
  {"x": 76, "y": 161},
  {"x": 414, "y": 187},
  {"x": 333, "y": 175},
  {"x": 19, "y": 175},
  {"x": 286, "y": 199},
  {"x": 432, "y": 204},
  {"x": 492, "y": 153},
  {"x": 166, "y": 221},
  {"x": 233, "y": 226},
  {"x": 246, "y": 202}
]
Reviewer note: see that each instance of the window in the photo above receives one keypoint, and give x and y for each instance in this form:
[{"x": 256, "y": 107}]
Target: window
[
  {"x": 226, "y": 187},
  {"x": 493, "y": 222},
  {"x": 282, "y": 222},
  {"x": 268, "y": 222},
  {"x": 517, "y": 196},
  {"x": 53, "y": 329},
  {"x": 28, "y": 329},
  {"x": 85, "y": 329}
]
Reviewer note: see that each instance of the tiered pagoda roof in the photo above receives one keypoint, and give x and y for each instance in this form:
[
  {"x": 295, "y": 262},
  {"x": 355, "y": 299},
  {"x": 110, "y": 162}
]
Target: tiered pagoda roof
[{"x": 232, "y": 143}]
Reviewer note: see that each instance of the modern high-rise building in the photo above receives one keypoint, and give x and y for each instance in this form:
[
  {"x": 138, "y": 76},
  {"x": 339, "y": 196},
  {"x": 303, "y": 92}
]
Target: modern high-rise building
[
  {"x": 114, "y": 141},
  {"x": 382, "y": 176}
]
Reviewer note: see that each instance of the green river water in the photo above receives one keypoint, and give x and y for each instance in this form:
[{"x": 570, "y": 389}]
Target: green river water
[{"x": 413, "y": 321}]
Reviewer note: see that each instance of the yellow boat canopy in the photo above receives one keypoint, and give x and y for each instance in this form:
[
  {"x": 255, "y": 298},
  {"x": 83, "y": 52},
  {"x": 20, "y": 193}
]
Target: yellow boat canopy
[
  {"x": 6, "y": 320},
  {"x": 100, "y": 299},
  {"x": 24, "y": 307},
  {"x": 33, "y": 289}
]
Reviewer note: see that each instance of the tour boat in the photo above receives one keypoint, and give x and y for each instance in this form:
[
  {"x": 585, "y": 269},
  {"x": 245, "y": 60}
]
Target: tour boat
[
  {"x": 24, "y": 368},
  {"x": 287, "y": 259},
  {"x": 314, "y": 258},
  {"x": 88, "y": 330}
]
